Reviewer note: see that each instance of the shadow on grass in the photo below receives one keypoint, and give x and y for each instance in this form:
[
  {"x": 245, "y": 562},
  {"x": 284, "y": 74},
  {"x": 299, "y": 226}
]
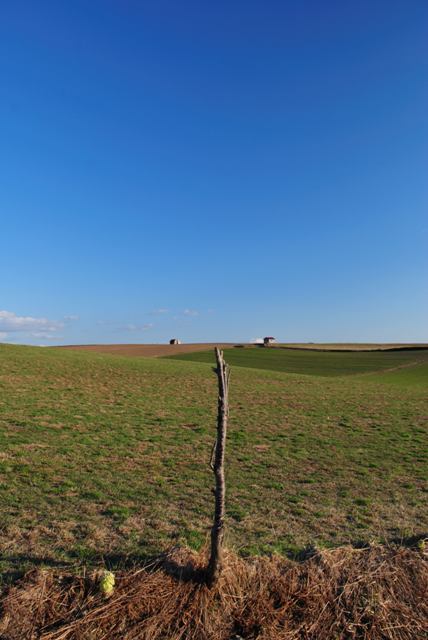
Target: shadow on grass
[{"x": 174, "y": 562}]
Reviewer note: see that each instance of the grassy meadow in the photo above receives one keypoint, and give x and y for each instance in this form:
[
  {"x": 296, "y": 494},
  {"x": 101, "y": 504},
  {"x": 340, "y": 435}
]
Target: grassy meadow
[
  {"x": 319, "y": 363},
  {"x": 105, "y": 458}
]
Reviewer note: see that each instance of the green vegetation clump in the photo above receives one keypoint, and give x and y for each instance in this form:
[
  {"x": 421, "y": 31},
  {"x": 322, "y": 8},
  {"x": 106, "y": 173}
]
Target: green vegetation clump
[{"x": 106, "y": 459}]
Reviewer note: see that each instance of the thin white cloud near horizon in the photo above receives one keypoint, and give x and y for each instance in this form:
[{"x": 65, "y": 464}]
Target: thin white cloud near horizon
[
  {"x": 11, "y": 322},
  {"x": 31, "y": 326}
]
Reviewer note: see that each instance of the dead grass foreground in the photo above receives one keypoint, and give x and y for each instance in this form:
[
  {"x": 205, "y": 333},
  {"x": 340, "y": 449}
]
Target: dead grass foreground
[{"x": 374, "y": 593}]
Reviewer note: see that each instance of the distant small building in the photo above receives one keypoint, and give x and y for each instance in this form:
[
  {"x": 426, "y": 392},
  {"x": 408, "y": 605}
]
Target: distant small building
[
  {"x": 268, "y": 340},
  {"x": 175, "y": 341}
]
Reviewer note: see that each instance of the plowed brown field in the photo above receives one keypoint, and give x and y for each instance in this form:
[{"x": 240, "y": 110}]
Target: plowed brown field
[{"x": 146, "y": 350}]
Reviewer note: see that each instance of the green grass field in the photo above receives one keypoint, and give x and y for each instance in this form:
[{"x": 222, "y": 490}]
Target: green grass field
[
  {"x": 321, "y": 363},
  {"x": 104, "y": 458}
]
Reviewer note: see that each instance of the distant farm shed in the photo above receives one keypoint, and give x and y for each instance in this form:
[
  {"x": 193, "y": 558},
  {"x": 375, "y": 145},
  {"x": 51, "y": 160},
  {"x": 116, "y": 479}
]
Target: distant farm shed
[
  {"x": 175, "y": 341},
  {"x": 268, "y": 340}
]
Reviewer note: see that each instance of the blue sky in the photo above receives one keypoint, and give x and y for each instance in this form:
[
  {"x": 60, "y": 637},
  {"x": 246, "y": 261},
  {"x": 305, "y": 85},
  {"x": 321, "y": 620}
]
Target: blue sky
[{"x": 213, "y": 171}]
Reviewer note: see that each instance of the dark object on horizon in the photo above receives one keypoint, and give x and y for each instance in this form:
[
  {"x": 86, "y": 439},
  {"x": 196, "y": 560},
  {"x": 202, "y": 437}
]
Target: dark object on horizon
[
  {"x": 175, "y": 341},
  {"x": 268, "y": 341}
]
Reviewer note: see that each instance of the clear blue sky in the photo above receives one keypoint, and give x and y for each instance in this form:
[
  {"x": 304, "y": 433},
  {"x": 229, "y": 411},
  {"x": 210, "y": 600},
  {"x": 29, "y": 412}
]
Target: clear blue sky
[{"x": 213, "y": 170}]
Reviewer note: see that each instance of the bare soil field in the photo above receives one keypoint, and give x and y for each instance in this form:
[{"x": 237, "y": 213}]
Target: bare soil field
[{"x": 145, "y": 350}]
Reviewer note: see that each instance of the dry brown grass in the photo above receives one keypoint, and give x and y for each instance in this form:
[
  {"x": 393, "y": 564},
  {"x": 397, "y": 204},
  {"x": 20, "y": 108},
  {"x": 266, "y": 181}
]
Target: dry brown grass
[{"x": 377, "y": 593}]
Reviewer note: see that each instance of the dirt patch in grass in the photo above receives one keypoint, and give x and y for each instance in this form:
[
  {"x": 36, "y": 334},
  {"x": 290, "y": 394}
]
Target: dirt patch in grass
[{"x": 377, "y": 593}]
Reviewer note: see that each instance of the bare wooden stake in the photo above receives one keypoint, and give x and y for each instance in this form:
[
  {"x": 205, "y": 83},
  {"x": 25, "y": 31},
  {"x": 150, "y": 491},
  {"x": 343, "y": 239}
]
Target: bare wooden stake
[{"x": 217, "y": 465}]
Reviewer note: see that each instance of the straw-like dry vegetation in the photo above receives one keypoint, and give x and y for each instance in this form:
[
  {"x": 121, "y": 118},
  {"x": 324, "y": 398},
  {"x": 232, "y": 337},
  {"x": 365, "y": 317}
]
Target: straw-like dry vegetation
[{"x": 377, "y": 593}]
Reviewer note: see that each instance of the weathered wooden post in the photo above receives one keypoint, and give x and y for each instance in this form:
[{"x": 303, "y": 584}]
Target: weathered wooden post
[{"x": 217, "y": 465}]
